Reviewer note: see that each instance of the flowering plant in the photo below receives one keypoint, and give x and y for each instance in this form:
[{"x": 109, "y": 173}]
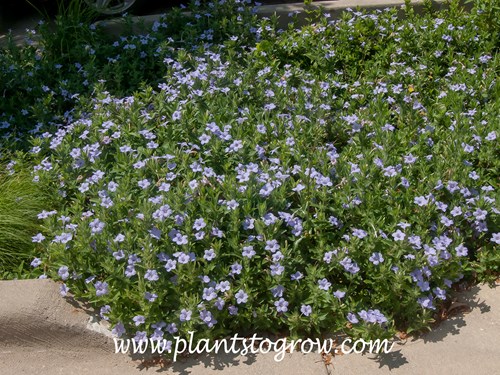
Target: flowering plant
[{"x": 333, "y": 177}]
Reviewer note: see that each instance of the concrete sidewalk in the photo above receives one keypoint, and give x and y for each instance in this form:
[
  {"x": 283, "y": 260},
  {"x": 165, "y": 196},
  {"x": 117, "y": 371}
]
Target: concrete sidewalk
[
  {"x": 42, "y": 333},
  {"x": 463, "y": 344}
]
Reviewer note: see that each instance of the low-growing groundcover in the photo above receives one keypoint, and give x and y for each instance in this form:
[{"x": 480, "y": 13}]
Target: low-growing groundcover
[{"x": 336, "y": 177}]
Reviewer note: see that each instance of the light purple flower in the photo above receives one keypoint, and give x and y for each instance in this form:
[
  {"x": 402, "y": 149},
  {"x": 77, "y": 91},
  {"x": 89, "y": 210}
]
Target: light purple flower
[
  {"x": 176, "y": 115},
  {"x": 106, "y": 309},
  {"x": 298, "y": 189},
  {"x": 339, "y": 294},
  {"x": 426, "y": 302},
  {"x": 456, "y": 211},
  {"x": 223, "y": 286},
  {"x": 101, "y": 288},
  {"x": 272, "y": 245},
  {"x": 155, "y": 233},
  {"x": 236, "y": 269},
  {"x": 162, "y": 213},
  {"x": 398, "y": 235},
  {"x": 446, "y": 221},
  {"x": 119, "y": 254},
  {"x": 278, "y": 291},
  {"x": 248, "y": 252},
  {"x": 193, "y": 184},
  {"x": 328, "y": 257},
  {"x": 241, "y": 297},
  {"x": 376, "y": 258},
  {"x": 38, "y": 238},
  {"x": 204, "y": 139},
  {"x": 232, "y": 204},
  {"x": 185, "y": 315},
  {"x": 170, "y": 265},
  {"x": 421, "y": 201},
  {"x": 144, "y": 184},
  {"x": 35, "y": 262},
  {"x": 183, "y": 258},
  {"x": 96, "y": 226},
  {"x": 151, "y": 275},
  {"x": 235, "y": 146},
  {"x": 277, "y": 256},
  {"x": 63, "y": 272},
  {"x": 491, "y": 136},
  {"x": 281, "y": 305},
  {"x": 63, "y": 290},
  {"x": 140, "y": 336},
  {"x": 171, "y": 328},
  {"x": 324, "y": 284},
  {"x": 440, "y": 293},
  {"x": 177, "y": 237},
  {"x": 118, "y": 329},
  {"x": 112, "y": 186},
  {"x": 199, "y": 224},
  {"x": 209, "y": 254},
  {"x": 372, "y": 316},
  {"x": 410, "y": 159},
  {"x": 276, "y": 269},
  {"x": 351, "y": 317},
  {"x": 63, "y": 238},
  {"x": 248, "y": 223},
  {"x": 130, "y": 270},
  {"x": 150, "y": 297},
  {"x": 306, "y": 310},
  {"x": 207, "y": 318},
  {"x": 209, "y": 294},
  {"x": 216, "y": 232},
  {"x": 219, "y": 304},
  {"x": 349, "y": 265},
  {"x": 360, "y": 233},
  {"x": 233, "y": 310},
  {"x": 138, "y": 320},
  {"x": 199, "y": 235},
  {"x": 461, "y": 250},
  {"x": 480, "y": 214}
]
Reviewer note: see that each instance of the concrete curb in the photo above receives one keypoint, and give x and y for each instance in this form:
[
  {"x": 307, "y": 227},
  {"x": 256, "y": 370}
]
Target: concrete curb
[
  {"x": 45, "y": 334},
  {"x": 334, "y": 7},
  {"x": 33, "y": 315},
  {"x": 42, "y": 333}
]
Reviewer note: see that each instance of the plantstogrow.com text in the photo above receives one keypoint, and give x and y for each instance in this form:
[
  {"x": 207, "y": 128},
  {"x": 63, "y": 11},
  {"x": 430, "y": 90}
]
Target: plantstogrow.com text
[{"x": 245, "y": 345}]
